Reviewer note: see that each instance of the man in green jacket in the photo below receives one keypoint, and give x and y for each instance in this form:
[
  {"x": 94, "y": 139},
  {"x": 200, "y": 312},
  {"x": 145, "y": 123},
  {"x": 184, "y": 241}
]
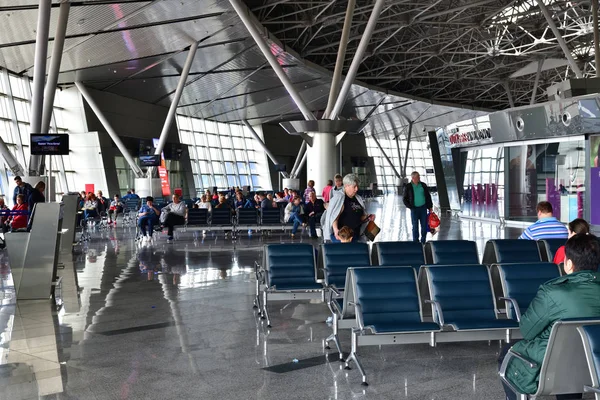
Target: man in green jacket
[{"x": 574, "y": 295}]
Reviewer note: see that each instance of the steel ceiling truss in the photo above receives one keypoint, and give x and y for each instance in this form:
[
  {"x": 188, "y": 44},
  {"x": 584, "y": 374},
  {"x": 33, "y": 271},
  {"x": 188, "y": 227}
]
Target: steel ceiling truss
[{"x": 459, "y": 51}]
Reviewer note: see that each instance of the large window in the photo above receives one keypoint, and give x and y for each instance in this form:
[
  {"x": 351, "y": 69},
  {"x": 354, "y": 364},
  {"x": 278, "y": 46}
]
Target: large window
[
  {"x": 223, "y": 155},
  {"x": 15, "y": 110},
  {"x": 419, "y": 159}
]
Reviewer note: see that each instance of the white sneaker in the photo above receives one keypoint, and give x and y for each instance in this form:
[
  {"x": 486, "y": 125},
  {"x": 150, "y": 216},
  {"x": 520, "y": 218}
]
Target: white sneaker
[{"x": 146, "y": 239}]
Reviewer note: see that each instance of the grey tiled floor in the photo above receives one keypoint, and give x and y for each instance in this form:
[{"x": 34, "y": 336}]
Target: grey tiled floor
[{"x": 175, "y": 321}]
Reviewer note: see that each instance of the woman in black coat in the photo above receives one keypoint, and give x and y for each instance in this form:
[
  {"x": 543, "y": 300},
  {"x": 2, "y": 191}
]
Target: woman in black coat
[{"x": 37, "y": 195}]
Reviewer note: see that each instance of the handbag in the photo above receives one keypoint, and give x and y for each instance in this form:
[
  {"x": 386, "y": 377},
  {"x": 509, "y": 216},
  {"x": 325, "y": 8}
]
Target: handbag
[
  {"x": 433, "y": 221},
  {"x": 371, "y": 231}
]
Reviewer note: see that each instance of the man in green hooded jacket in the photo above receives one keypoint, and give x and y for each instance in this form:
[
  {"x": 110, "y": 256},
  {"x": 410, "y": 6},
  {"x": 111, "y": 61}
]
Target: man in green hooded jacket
[{"x": 574, "y": 295}]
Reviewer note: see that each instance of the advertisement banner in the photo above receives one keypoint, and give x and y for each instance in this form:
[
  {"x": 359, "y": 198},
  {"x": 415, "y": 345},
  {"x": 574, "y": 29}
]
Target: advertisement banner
[
  {"x": 162, "y": 172},
  {"x": 594, "y": 180}
]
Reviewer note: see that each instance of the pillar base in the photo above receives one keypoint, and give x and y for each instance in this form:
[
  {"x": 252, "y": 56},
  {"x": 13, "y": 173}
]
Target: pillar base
[
  {"x": 291, "y": 183},
  {"x": 143, "y": 188},
  {"x": 321, "y": 159}
]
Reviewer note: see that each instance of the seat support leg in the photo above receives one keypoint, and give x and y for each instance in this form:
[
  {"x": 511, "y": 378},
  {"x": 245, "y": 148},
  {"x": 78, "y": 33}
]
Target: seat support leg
[
  {"x": 335, "y": 337},
  {"x": 265, "y": 314},
  {"x": 354, "y": 357}
]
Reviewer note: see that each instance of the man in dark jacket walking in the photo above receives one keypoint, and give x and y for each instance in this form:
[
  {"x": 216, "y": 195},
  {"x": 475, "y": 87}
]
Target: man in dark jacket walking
[
  {"x": 418, "y": 199},
  {"x": 574, "y": 295}
]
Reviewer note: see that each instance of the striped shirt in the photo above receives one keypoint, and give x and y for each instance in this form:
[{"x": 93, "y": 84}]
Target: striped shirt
[{"x": 545, "y": 228}]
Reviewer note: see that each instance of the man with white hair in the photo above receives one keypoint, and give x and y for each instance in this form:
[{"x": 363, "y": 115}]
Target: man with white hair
[
  {"x": 418, "y": 199},
  {"x": 346, "y": 209}
]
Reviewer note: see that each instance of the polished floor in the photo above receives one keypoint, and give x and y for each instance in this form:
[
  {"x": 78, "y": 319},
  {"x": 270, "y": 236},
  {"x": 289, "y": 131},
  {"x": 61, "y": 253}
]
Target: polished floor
[{"x": 175, "y": 321}]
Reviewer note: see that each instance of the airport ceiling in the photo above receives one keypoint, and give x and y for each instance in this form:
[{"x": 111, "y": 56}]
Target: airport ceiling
[{"x": 434, "y": 61}]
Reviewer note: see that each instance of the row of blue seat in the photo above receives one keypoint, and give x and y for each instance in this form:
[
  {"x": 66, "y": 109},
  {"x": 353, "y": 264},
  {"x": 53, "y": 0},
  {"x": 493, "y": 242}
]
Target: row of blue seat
[{"x": 462, "y": 296}]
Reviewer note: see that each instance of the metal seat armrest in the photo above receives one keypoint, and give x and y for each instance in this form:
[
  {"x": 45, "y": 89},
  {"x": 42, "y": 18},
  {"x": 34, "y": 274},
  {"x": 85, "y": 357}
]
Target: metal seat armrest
[
  {"x": 515, "y": 306},
  {"x": 588, "y": 389},
  {"x": 331, "y": 304},
  {"x": 438, "y": 311},
  {"x": 359, "y": 317},
  {"x": 513, "y": 354}
]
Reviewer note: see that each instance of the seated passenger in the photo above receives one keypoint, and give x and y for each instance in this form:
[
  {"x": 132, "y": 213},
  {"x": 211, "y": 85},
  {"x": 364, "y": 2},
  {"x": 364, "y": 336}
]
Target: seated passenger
[
  {"x": 286, "y": 194},
  {"x": 18, "y": 221},
  {"x": 241, "y": 202},
  {"x": 574, "y": 295},
  {"x": 126, "y": 197},
  {"x": 223, "y": 203},
  {"x": 90, "y": 208},
  {"x": 279, "y": 198},
  {"x": 147, "y": 218},
  {"x": 116, "y": 207},
  {"x": 272, "y": 200},
  {"x": 346, "y": 234},
  {"x": 264, "y": 202},
  {"x": 576, "y": 227},
  {"x": 176, "y": 214},
  {"x": 546, "y": 227},
  {"x": 103, "y": 203},
  {"x": 314, "y": 209},
  {"x": 205, "y": 203},
  {"x": 37, "y": 195},
  {"x": 293, "y": 213},
  {"x": 134, "y": 195},
  {"x": 3, "y": 208}
]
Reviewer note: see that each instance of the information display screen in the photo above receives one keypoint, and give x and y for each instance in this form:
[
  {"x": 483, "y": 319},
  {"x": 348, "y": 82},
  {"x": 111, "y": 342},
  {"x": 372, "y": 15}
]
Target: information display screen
[
  {"x": 51, "y": 144},
  {"x": 150, "y": 161}
]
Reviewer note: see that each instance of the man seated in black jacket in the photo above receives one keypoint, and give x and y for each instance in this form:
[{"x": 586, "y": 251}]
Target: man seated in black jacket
[{"x": 313, "y": 209}]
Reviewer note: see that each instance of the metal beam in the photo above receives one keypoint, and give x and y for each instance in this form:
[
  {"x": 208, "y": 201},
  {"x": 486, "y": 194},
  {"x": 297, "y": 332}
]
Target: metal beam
[
  {"x": 403, "y": 170},
  {"x": 244, "y": 13},
  {"x": 164, "y": 134},
  {"x": 57, "y": 50},
  {"x": 536, "y": 83},
  {"x": 559, "y": 38},
  {"x": 298, "y": 158},
  {"x": 10, "y": 159},
  {"x": 39, "y": 75},
  {"x": 302, "y": 162},
  {"x": 358, "y": 56},
  {"x": 408, "y": 138},
  {"x": 386, "y": 157},
  {"x": 263, "y": 145},
  {"x": 111, "y": 132},
  {"x": 341, "y": 56},
  {"x": 511, "y": 103}
]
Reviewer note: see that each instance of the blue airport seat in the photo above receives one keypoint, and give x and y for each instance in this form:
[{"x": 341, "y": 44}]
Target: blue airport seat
[
  {"x": 462, "y": 298},
  {"x": 288, "y": 273},
  {"x": 451, "y": 252},
  {"x": 388, "y": 310},
  {"x": 389, "y": 300},
  {"x": 520, "y": 283},
  {"x": 506, "y": 251},
  {"x": 564, "y": 368},
  {"x": 247, "y": 216},
  {"x": 220, "y": 217},
  {"x": 590, "y": 334},
  {"x": 197, "y": 217},
  {"x": 548, "y": 248},
  {"x": 338, "y": 257},
  {"x": 270, "y": 216},
  {"x": 396, "y": 253}
]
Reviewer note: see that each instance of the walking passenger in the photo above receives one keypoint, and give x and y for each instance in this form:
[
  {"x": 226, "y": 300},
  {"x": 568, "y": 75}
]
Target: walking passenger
[{"x": 418, "y": 199}]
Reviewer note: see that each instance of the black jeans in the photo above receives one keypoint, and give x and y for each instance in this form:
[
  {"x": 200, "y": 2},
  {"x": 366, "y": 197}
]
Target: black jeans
[
  {"x": 510, "y": 395},
  {"x": 172, "y": 220}
]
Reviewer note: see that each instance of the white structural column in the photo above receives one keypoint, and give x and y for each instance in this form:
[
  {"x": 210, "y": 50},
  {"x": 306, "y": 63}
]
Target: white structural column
[
  {"x": 559, "y": 39},
  {"x": 244, "y": 14},
  {"x": 111, "y": 132},
  {"x": 39, "y": 75},
  {"x": 339, "y": 62},
  {"x": 164, "y": 134},
  {"x": 321, "y": 165},
  {"x": 357, "y": 60},
  {"x": 57, "y": 50},
  {"x": 294, "y": 171}
]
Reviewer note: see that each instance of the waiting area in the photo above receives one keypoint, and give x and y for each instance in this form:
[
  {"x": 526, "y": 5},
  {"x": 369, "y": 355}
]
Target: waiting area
[{"x": 271, "y": 317}]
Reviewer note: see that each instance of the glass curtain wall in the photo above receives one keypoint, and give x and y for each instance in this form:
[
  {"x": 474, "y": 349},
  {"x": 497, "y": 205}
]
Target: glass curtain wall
[
  {"x": 15, "y": 111},
  {"x": 419, "y": 159},
  {"x": 223, "y": 155}
]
